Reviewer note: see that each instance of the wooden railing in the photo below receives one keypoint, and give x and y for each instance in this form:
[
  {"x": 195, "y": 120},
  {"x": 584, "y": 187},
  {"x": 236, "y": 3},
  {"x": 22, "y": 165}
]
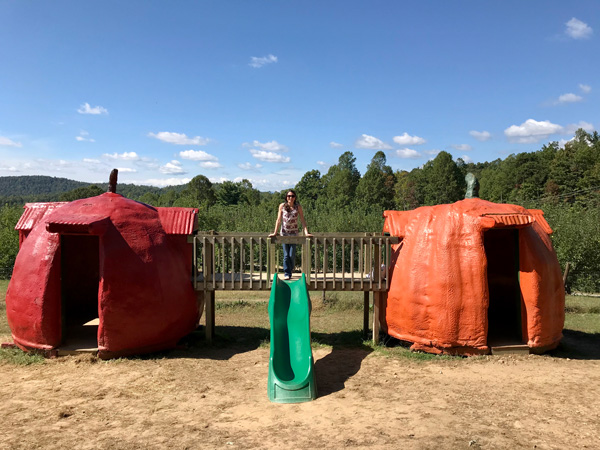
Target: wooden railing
[{"x": 247, "y": 261}]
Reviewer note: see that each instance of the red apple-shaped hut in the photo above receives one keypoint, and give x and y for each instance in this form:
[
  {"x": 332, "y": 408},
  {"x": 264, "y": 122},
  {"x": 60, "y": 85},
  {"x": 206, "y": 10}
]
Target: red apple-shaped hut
[
  {"x": 473, "y": 275},
  {"x": 122, "y": 266}
]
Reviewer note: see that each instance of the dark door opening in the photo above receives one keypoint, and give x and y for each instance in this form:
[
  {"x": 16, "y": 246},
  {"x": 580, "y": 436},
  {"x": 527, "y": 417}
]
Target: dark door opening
[
  {"x": 80, "y": 267},
  {"x": 504, "y": 312}
]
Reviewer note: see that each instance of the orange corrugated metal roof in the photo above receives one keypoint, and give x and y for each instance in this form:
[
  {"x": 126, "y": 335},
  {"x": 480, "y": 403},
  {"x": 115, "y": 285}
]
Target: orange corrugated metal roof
[
  {"x": 178, "y": 220},
  {"x": 538, "y": 214},
  {"x": 34, "y": 212},
  {"x": 510, "y": 220}
]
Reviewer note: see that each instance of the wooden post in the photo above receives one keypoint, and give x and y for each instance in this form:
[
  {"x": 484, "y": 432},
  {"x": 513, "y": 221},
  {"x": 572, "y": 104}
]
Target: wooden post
[
  {"x": 209, "y": 296},
  {"x": 209, "y": 301},
  {"x": 566, "y": 274},
  {"x": 270, "y": 260},
  {"x": 366, "y": 315},
  {"x": 377, "y": 297}
]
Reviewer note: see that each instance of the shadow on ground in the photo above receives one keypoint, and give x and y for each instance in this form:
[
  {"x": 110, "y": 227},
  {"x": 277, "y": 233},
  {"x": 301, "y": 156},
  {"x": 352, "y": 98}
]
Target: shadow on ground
[
  {"x": 578, "y": 345},
  {"x": 334, "y": 369}
]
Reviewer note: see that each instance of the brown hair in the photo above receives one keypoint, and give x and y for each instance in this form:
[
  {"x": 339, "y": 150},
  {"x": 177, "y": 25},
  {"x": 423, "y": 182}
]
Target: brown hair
[{"x": 287, "y": 206}]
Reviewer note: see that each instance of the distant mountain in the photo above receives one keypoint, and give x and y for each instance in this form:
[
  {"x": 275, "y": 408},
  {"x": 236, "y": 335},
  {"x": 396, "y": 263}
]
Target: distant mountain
[
  {"x": 36, "y": 185},
  {"x": 38, "y": 188}
]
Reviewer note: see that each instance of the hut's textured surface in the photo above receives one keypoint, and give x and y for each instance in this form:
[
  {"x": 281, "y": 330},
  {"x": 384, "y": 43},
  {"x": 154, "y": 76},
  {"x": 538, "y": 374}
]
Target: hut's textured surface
[
  {"x": 145, "y": 299},
  {"x": 439, "y": 294}
]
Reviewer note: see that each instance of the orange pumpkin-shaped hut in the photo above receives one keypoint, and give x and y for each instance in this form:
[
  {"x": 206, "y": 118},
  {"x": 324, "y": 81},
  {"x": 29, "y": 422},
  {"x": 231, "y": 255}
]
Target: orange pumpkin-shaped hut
[
  {"x": 120, "y": 267},
  {"x": 473, "y": 275}
]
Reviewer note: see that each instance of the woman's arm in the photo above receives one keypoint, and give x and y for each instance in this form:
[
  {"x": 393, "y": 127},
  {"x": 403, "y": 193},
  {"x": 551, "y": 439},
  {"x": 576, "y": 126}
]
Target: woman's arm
[
  {"x": 278, "y": 221},
  {"x": 301, "y": 214}
]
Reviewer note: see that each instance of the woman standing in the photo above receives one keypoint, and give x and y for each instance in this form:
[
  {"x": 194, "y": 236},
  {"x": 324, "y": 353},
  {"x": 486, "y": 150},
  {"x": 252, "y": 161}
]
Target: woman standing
[{"x": 287, "y": 218}]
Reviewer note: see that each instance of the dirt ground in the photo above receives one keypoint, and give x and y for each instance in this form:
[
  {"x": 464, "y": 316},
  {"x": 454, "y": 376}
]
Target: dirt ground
[{"x": 216, "y": 397}]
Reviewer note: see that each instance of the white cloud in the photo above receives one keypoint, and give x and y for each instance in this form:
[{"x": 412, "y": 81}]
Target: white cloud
[
  {"x": 431, "y": 152},
  {"x": 265, "y": 156},
  {"x": 162, "y": 182},
  {"x": 467, "y": 159},
  {"x": 578, "y": 29},
  {"x": 9, "y": 169},
  {"x": 586, "y": 89},
  {"x": 272, "y": 146},
  {"x": 407, "y": 153},
  {"x": 249, "y": 166},
  {"x": 197, "y": 155},
  {"x": 407, "y": 139},
  {"x": 573, "y": 127},
  {"x": 178, "y": 138},
  {"x": 126, "y": 156},
  {"x": 91, "y": 161},
  {"x": 87, "y": 109},
  {"x": 481, "y": 135},
  {"x": 569, "y": 98},
  {"x": 531, "y": 131},
  {"x": 6, "y": 142},
  {"x": 210, "y": 165},
  {"x": 173, "y": 167},
  {"x": 463, "y": 147},
  {"x": 83, "y": 137},
  {"x": 258, "y": 62},
  {"x": 323, "y": 164},
  {"x": 334, "y": 144},
  {"x": 371, "y": 142},
  {"x": 126, "y": 170}
]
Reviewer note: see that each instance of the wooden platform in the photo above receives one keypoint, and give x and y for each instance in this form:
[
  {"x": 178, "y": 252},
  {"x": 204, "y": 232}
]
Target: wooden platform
[
  {"x": 512, "y": 349},
  {"x": 81, "y": 339},
  {"x": 315, "y": 282}
]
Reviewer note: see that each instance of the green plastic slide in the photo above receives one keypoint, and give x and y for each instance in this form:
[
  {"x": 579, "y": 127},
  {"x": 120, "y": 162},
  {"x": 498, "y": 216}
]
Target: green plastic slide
[{"x": 291, "y": 365}]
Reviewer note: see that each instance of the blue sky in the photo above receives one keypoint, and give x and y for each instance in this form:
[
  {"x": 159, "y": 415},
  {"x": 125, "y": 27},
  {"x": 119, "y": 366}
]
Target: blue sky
[{"x": 267, "y": 90}]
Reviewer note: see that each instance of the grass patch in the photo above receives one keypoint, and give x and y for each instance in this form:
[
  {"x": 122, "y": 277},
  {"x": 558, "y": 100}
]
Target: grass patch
[
  {"x": 4, "y": 329},
  {"x": 582, "y": 314},
  {"x": 336, "y": 321},
  {"x": 401, "y": 352},
  {"x": 575, "y": 304},
  {"x": 18, "y": 357}
]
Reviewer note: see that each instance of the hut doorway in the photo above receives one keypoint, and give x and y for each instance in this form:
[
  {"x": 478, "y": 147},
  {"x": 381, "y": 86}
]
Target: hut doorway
[
  {"x": 504, "y": 311},
  {"x": 80, "y": 268}
]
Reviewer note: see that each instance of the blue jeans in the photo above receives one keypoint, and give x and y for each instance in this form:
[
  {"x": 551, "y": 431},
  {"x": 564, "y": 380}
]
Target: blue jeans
[{"x": 289, "y": 258}]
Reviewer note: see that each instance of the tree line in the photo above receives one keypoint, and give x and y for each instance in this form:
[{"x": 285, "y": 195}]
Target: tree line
[{"x": 563, "y": 181}]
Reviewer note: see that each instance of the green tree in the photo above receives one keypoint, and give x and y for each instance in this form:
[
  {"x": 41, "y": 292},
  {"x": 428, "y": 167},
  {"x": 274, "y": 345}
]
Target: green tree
[
  {"x": 199, "y": 192},
  {"x": 376, "y": 187},
  {"x": 248, "y": 195},
  {"x": 341, "y": 181},
  {"x": 81, "y": 192},
  {"x": 9, "y": 238},
  {"x": 409, "y": 189},
  {"x": 229, "y": 193},
  {"x": 310, "y": 187},
  {"x": 443, "y": 180}
]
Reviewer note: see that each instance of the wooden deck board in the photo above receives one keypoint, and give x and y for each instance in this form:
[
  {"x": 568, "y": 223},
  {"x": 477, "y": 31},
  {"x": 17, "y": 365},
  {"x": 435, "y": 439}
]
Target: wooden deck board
[{"x": 329, "y": 281}]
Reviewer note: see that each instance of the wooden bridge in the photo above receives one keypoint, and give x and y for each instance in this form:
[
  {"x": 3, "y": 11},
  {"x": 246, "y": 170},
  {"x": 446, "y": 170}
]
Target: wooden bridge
[{"x": 330, "y": 262}]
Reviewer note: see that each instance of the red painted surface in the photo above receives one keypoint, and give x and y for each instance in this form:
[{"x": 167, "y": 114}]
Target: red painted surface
[
  {"x": 439, "y": 294},
  {"x": 145, "y": 299}
]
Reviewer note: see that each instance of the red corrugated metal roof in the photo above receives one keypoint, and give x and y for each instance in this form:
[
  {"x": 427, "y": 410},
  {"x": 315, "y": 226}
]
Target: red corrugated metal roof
[
  {"x": 78, "y": 223},
  {"x": 538, "y": 214},
  {"x": 178, "y": 220},
  {"x": 34, "y": 212}
]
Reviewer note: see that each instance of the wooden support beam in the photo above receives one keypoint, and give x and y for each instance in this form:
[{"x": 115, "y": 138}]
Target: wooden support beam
[
  {"x": 377, "y": 303},
  {"x": 366, "y": 315},
  {"x": 209, "y": 302}
]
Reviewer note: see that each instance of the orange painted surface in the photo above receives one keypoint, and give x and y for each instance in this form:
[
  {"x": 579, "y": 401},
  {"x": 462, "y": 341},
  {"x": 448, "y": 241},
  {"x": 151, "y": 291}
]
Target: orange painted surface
[{"x": 439, "y": 294}]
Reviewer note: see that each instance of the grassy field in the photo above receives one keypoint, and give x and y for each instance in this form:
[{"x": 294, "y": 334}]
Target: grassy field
[{"x": 336, "y": 320}]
